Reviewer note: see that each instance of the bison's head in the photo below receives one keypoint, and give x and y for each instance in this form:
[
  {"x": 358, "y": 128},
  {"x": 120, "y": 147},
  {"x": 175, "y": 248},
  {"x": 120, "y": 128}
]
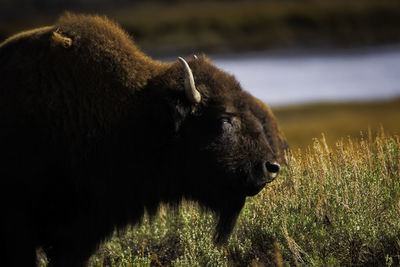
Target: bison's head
[{"x": 220, "y": 151}]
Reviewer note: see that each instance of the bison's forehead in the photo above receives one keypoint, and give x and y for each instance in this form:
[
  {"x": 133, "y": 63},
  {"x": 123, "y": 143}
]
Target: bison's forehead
[{"x": 218, "y": 87}]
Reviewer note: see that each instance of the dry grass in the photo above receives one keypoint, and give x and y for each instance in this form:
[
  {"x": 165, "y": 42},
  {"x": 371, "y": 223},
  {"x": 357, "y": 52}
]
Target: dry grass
[{"x": 336, "y": 121}]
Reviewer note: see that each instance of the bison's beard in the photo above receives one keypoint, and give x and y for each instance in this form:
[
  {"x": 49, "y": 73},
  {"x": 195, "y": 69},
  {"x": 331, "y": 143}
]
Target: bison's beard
[
  {"x": 200, "y": 177},
  {"x": 227, "y": 216},
  {"x": 225, "y": 202}
]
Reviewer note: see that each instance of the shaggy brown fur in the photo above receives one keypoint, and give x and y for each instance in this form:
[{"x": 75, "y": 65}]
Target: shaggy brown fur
[{"x": 93, "y": 132}]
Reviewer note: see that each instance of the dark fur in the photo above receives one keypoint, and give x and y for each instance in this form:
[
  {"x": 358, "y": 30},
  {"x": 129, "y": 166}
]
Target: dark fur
[{"x": 93, "y": 132}]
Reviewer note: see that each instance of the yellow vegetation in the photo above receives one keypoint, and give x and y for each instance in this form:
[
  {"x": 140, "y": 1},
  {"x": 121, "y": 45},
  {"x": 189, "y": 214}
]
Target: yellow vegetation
[{"x": 302, "y": 123}]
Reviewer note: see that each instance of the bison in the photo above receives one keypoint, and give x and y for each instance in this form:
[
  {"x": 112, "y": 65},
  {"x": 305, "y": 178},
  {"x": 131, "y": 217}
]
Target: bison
[{"x": 93, "y": 132}]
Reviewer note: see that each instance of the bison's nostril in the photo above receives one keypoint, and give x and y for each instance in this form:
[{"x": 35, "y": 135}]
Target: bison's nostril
[{"x": 272, "y": 167}]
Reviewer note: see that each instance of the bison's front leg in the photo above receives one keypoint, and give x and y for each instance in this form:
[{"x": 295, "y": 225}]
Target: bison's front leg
[
  {"x": 68, "y": 254},
  {"x": 17, "y": 243},
  {"x": 18, "y": 250},
  {"x": 65, "y": 255},
  {"x": 73, "y": 247}
]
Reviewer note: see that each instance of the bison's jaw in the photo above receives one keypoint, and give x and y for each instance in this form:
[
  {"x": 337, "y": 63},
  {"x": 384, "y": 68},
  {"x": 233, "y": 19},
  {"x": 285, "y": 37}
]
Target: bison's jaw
[
  {"x": 255, "y": 189},
  {"x": 263, "y": 173}
]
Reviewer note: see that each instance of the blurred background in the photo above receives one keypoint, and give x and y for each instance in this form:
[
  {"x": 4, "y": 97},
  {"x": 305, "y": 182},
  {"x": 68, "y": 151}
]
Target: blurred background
[{"x": 329, "y": 66}]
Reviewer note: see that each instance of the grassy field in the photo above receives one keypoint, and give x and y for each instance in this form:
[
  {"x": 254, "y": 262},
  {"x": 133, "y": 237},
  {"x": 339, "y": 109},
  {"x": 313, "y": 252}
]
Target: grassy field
[
  {"x": 226, "y": 26},
  {"x": 337, "y": 120},
  {"x": 338, "y": 200},
  {"x": 331, "y": 206},
  {"x": 337, "y": 203}
]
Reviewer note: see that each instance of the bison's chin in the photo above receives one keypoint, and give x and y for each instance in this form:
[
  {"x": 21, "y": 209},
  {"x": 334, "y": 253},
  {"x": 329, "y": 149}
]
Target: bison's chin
[
  {"x": 254, "y": 183},
  {"x": 254, "y": 189}
]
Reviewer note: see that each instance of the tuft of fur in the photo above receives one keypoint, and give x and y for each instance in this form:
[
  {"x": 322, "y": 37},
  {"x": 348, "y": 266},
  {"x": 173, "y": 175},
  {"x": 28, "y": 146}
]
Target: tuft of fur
[{"x": 93, "y": 132}]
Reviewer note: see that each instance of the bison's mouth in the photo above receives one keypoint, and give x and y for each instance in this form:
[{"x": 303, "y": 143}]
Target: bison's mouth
[{"x": 261, "y": 175}]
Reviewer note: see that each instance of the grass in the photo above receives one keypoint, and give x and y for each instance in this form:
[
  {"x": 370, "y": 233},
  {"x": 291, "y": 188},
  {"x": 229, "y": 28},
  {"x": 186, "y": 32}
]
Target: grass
[
  {"x": 337, "y": 120},
  {"x": 331, "y": 206}
]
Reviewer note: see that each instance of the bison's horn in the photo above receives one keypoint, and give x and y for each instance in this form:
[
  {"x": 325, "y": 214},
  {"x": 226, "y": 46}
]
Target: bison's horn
[{"x": 190, "y": 87}]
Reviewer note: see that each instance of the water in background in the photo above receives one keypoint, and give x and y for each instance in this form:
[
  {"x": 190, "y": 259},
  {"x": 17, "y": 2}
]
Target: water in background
[{"x": 294, "y": 79}]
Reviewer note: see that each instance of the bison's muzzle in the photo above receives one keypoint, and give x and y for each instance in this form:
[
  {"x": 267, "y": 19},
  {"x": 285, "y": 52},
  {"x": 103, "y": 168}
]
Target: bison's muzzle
[
  {"x": 262, "y": 174},
  {"x": 272, "y": 170}
]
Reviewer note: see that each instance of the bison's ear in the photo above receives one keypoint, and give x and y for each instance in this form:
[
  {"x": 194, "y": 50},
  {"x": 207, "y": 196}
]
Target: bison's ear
[{"x": 191, "y": 92}]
